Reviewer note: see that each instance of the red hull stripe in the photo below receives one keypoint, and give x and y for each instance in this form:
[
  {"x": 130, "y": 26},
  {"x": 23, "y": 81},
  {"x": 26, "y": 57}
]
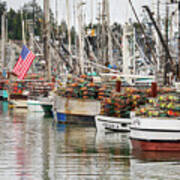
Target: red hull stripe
[
  {"x": 155, "y": 146},
  {"x": 159, "y": 140}
]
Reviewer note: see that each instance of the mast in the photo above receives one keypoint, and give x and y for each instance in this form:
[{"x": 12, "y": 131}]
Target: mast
[
  {"x": 81, "y": 36},
  {"x": 127, "y": 31},
  {"x": 103, "y": 44},
  {"x": 157, "y": 38},
  {"x": 2, "y": 40},
  {"x": 57, "y": 30},
  {"x": 69, "y": 26},
  {"x": 179, "y": 42},
  {"x": 76, "y": 50},
  {"x": 92, "y": 12},
  {"x": 166, "y": 40},
  {"x": 6, "y": 29},
  {"x": 47, "y": 38},
  {"x": 34, "y": 1},
  {"x": 75, "y": 28},
  {"x": 56, "y": 4},
  {"x": 99, "y": 31},
  {"x": 134, "y": 50},
  {"x": 31, "y": 43},
  {"x": 110, "y": 55},
  {"x": 23, "y": 32}
]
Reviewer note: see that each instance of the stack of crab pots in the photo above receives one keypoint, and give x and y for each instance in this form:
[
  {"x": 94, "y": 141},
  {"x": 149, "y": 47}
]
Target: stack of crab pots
[
  {"x": 84, "y": 88},
  {"x": 162, "y": 106},
  {"x": 121, "y": 104}
]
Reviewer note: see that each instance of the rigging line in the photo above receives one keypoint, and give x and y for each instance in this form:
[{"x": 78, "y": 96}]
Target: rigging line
[
  {"x": 61, "y": 56},
  {"x": 119, "y": 46},
  {"x": 142, "y": 29},
  {"x": 159, "y": 34}
]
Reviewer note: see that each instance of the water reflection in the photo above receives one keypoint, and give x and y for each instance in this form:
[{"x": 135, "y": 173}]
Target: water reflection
[
  {"x": 83, "y": 154},
  {"x": 156, "y": 156},
  {"x": 35, "y": 148},
  {"x": 155, "y": 165},
  {"x": 3, "y": 107},
  {"x": 21, "y": 147}
]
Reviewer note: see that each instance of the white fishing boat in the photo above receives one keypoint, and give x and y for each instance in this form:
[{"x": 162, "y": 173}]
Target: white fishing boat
[
  {"x": 155, "y": 134},
  {"x": 18, "y": 103},
  {"x": 156, "y": 126},
  {"x": 105, "y": 123},
  {"x": 39, "y": 94},
  {"x": 18, "y": 100}
]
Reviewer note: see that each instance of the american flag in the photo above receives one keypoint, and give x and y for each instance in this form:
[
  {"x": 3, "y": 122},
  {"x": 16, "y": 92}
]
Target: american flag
[{"x": 24, "y": 62}]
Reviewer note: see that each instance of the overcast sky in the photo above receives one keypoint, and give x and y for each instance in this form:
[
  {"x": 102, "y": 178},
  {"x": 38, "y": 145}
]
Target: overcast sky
[{"x": 120, "y": 10}]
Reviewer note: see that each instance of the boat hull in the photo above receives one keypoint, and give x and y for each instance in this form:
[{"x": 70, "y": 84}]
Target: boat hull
[
  {"x": 79, "y": 107},
  {"x": 145, "y": 145},
  {"x": 155, "y": 134},
  {"x": 105, "y": 123},
  {"x": 19, "y": 104},
  {"x": 73, "y": 119},
  {"x": 47, "y": 108},
  {"x": 75, "y": 111}
]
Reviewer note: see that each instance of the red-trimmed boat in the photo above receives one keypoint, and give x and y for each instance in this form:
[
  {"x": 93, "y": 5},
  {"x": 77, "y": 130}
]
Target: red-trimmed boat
[
  {"x": 155, "y": 134},
  {"x": 156, "y": 127}
]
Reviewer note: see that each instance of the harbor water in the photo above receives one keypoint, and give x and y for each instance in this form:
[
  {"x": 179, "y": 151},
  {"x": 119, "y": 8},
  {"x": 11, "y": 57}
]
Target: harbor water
[{"x": 33, "y": 147}]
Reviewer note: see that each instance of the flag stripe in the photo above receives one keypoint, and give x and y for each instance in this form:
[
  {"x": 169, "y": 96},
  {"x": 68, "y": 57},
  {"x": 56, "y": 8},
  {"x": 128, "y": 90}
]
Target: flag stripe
[
  {"x": 27, "y": 65},
  {"x": 24, "y": 72},
  {"x": 17, "y": 66},
  {"x": 24, "y": 67}
]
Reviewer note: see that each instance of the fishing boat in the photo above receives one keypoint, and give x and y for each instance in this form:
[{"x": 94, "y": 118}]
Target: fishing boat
[
  {"x": 159, "y": 129},
  {"x": 155, "y": 134},
  {"x": 39, "y": 95},
  {"x": 79, "y": 101},
  {"x": 75, "y": 110},
  {"x": 105, "y": 123},
  {"x": 18, "y": 101}
]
